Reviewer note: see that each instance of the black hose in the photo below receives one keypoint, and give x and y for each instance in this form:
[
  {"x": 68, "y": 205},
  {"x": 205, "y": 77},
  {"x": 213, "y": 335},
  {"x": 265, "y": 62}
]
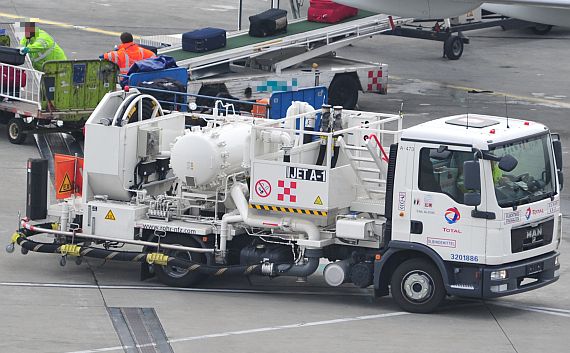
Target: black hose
[
  {"x": 336, "y": 151},
  {"x": 322, "y": 154}
]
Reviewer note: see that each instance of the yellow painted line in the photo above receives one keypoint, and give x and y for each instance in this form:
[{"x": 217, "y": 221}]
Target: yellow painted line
[
  {"x": 62, "y": 25},
  {"x": 537, "y": 100}
]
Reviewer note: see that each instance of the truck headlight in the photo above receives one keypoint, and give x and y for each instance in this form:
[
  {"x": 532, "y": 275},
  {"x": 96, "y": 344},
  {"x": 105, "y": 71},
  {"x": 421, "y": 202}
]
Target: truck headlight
[
  {"x": 556, "y": 262},
  {"x": 499, "y": 275}
]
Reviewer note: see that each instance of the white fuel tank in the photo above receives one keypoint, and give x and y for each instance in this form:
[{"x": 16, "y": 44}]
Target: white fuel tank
[{"x": 204, "y": 158}]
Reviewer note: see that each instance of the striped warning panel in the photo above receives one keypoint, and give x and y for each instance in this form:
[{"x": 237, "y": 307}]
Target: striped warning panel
[{"x": 288, "y": 209}]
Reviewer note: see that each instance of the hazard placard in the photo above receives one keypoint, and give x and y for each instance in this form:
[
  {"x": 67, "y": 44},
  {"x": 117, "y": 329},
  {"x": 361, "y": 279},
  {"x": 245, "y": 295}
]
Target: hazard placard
[
  {"x": 318, "y": 201},
  {"x": 65, "y": 185},
  {"x": 110, "y": 216}
]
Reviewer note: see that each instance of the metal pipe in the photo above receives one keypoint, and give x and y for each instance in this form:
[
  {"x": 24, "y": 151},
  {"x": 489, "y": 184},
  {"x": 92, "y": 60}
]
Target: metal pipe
[{"x": 32, "y": 228}]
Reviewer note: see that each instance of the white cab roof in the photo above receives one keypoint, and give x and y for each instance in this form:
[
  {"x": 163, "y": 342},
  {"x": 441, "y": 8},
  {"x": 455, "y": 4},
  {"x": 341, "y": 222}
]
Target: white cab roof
[{"x": 478, "y": 130}]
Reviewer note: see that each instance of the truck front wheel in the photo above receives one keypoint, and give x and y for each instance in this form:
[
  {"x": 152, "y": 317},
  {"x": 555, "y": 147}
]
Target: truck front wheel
[
  {"x": 417, "y": 286},
  {"x": 177, "y": 276}
]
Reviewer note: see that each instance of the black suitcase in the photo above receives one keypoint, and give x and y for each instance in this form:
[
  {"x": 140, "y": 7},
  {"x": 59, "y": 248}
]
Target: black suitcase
[
  {"x": 268, "y": 23},
  {"x": 203, "y": 40},
  {"x": 167, "y": 100},
  {"x": 11, "y": 56}
]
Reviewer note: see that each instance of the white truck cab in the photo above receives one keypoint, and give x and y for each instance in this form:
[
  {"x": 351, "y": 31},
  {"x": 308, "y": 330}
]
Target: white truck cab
[{"x": 480, "y": 196}]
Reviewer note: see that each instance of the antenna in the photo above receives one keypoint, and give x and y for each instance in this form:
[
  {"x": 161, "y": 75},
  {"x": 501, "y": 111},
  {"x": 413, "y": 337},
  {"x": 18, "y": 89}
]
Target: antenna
[
  {"x": 401, "y": 111},
  {"x": 467, "y": 122},
  {"x": 507, "y": 111}
]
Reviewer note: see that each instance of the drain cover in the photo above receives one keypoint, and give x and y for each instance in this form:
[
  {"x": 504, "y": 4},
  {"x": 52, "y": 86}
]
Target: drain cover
[{"x": 139, "y": 330}]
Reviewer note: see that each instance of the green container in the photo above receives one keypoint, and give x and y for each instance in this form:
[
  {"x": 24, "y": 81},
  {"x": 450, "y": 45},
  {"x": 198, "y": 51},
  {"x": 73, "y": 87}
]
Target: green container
[
  {"x": 4, "y": 40},
  {"x": 72, "y": 89}
]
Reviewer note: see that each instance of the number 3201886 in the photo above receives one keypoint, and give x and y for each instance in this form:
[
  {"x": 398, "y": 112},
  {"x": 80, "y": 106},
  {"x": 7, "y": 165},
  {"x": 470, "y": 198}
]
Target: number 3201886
[{"x": 463, "y": 257}]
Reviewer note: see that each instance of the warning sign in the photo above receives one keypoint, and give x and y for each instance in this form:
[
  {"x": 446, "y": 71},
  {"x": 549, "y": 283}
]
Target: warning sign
[
  {"x": 68, "y": 176},
  {"x": 65, "y": 185},
  {"x": 262, "y": 188},
  {"x": 318, "y": 201},
  {"x": 110, "y": 216}
]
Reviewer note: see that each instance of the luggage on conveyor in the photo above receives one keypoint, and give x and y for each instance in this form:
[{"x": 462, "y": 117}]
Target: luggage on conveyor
[
  {"x": 11, "y": 56},
  {"x": 204, "y": 40},
  {"x": 329, "y": 12},
  {"x": 268, "y": 23}
]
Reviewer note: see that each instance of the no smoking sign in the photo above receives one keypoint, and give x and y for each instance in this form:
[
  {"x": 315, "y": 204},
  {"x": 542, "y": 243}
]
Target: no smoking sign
[{"x": 262, "y": 188}]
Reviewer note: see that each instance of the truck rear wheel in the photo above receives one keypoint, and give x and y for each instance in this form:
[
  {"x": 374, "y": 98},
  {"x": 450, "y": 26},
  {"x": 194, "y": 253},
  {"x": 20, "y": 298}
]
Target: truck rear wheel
[
  {"x": 417, "y": 286},
  {"x": 343, "y": 91},
  {"x": 16, "y": 128},
  {"x": 176, "y": 276}
]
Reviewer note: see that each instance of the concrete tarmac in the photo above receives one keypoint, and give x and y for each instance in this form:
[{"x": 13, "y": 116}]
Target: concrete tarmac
[{"x": 48, "y": 308}]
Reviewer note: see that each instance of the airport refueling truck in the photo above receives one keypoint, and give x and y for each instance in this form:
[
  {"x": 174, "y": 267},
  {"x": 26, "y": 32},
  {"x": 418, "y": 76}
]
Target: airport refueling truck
[{"x": 466, "y": 205}]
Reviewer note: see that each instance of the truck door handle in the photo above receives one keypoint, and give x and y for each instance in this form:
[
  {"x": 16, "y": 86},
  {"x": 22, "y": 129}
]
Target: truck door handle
[{"x": 416, "y": 227}]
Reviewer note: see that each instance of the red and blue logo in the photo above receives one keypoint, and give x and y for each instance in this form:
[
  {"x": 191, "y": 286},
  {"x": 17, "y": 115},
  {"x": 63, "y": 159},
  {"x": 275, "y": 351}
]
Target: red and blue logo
[
  {"x": 528, "y": 213},
  {"x": 452, "y": 215}
]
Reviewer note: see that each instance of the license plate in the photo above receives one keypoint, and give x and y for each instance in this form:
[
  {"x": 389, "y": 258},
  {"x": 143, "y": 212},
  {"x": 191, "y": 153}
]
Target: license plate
[{"x": 534, "y": 268}]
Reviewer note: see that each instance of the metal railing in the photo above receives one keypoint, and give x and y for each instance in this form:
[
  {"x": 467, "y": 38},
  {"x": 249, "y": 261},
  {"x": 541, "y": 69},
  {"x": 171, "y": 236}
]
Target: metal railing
[{"x": 20, "y": 84}]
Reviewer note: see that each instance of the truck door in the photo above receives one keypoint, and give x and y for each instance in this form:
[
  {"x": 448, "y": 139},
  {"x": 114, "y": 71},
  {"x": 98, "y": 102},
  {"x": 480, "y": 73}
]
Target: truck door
[{"x": 439, "y": 218}]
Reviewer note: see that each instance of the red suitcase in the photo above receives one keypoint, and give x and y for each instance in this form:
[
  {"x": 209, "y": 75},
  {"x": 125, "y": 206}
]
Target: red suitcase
[{"x": 329, "y": 12}]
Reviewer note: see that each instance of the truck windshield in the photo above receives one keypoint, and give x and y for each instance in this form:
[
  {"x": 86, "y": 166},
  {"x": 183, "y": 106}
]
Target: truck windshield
[{"x": 533, "y": 177}]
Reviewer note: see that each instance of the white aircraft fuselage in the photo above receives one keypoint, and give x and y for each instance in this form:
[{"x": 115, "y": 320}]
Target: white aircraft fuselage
[{"x": 553, "y": 12}]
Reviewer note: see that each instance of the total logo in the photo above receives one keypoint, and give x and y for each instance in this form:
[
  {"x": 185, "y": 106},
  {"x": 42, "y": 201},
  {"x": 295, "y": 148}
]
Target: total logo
[
  {"x": 452, "y": 215},
  {"x": 528, "y": 213}
]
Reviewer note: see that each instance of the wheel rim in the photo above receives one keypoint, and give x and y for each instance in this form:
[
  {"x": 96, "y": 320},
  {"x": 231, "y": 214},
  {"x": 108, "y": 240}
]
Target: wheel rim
[
  {"x": 456, "y": 46},
  {"x": 14, "y": 131},
  {"x": 176, "y": 271},
  {"x": 417, "y": 286}
]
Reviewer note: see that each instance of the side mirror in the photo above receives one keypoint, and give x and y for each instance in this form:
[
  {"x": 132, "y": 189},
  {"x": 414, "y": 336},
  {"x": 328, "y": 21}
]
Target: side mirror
[
  {"x": 472, "y": 176},
  {"x": 507, "y": 163},
  {"x": 472, "y": 199},
  {"x": 557, "y": 146}
]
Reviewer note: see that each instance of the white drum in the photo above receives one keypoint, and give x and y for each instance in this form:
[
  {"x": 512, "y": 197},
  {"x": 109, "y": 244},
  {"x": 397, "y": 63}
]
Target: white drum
[{"x": 203, "y": 159}]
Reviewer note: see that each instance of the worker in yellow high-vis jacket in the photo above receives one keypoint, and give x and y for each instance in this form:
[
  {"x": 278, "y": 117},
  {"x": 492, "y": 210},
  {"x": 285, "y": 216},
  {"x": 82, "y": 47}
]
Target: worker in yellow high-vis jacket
[{"x": 40, "y": 46}]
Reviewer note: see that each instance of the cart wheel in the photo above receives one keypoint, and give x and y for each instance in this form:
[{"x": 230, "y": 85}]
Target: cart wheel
[
  {"x": 541, "y": 29},
  {"x": 16, "y": 128},
  {"x": 343, "y": 91},
  {"x": 453, "y": 47},
  {"x": 176, "y": 276}
]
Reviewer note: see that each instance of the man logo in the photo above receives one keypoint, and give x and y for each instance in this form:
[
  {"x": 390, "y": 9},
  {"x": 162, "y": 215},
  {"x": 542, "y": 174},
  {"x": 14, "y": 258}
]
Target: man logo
[{"x": 452, "y": 215}]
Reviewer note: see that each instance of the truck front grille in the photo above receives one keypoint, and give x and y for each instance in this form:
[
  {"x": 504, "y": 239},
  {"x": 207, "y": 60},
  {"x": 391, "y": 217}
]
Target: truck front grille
[{"x": 532, "y": 236}]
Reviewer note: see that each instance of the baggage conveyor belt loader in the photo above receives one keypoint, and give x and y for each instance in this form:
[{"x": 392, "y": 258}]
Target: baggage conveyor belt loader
[{"x": 462, "y": 205}]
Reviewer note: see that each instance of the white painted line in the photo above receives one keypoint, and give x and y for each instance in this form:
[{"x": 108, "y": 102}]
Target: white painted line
[
  {"x": 176, "y": 289},
  {"x": 258, "y": 330},
  {"x": 536, "y": 309}
]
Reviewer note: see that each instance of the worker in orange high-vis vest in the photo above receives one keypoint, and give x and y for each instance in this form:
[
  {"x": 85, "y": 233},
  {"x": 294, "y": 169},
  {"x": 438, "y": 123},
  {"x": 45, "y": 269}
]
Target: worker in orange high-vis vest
[{"x": 127, "y": 53}]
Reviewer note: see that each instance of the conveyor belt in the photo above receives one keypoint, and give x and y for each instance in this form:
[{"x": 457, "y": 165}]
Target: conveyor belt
[{"x": 243, "y": 39}]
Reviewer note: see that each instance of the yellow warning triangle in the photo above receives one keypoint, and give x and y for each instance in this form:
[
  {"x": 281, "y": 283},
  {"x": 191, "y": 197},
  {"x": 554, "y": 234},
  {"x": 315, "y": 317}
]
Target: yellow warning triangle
[
  {"x": 318, "y": 201},
  {"x": 110, "y": 216},
  {"x": 65, "y": 184}
]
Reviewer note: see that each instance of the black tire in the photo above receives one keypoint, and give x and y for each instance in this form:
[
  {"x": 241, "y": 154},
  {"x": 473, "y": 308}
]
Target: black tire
[
  {"x": 16, "y": 131},
  {"x": 177, "y": 277},
  {"x": 417, "y": 287},
  {"x": 453, "y": 47},
  {"x": 541, "y": 29},
  {"x": 343, "y": 91}
]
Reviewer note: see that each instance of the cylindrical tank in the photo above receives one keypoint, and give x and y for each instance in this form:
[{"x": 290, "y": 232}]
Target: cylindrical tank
[{"x": 203, "y": 158}]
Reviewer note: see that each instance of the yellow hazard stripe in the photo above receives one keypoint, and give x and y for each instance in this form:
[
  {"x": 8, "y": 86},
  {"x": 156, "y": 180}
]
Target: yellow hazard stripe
[{"x": 289, "y": 210}]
